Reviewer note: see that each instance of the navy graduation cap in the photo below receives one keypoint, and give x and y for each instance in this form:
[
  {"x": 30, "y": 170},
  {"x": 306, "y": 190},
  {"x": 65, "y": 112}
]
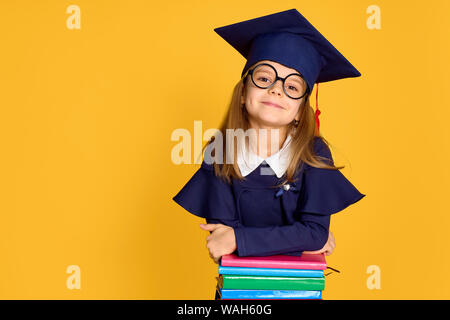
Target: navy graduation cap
[{"x": 288, "y": 38}]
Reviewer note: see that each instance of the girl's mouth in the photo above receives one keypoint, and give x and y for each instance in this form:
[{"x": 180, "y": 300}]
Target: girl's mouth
[{"x": 272, "y": 104}]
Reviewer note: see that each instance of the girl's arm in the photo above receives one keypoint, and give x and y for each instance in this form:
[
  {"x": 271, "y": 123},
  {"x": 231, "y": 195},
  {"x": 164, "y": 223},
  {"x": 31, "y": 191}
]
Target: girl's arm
[{"x": 308, "y": 234}]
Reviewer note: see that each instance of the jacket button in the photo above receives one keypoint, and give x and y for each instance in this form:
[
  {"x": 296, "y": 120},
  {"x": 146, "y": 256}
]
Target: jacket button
[{"x": 286, "y": 187}]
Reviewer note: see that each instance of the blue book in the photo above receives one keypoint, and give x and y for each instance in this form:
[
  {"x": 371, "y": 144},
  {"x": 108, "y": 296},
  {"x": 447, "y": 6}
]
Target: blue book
[
  {"x": 245, "y": 271},
  {"x": 269, "y": 294}
]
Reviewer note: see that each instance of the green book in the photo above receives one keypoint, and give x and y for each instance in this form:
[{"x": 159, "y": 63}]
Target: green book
[{"x": 230, "y": 281}]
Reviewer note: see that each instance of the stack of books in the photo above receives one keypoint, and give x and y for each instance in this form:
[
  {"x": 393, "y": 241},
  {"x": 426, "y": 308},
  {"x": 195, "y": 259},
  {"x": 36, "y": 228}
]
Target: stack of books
[{"x": 271, "y": 277}]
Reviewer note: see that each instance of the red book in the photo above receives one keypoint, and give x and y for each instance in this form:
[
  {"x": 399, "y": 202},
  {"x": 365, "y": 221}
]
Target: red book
[{"x": 305, "y": 261}]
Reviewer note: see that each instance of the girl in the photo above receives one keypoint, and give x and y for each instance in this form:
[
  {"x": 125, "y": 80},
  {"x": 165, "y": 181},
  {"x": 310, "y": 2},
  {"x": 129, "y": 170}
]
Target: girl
[{"x": 258, "y": 205}]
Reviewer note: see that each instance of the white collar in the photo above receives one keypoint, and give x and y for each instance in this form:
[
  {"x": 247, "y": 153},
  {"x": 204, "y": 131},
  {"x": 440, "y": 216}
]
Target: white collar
[{"x": 278, "y": 162}]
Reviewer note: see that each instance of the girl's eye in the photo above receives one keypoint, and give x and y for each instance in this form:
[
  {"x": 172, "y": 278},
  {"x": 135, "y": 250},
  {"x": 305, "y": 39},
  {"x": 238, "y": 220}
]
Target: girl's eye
[
  {"x": 292, "y": 88},
  {"x": 263, "y": 78}
]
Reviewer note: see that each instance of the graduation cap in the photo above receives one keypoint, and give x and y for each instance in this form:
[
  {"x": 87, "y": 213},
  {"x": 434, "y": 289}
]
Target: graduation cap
[{"x": 288, "y": 38}]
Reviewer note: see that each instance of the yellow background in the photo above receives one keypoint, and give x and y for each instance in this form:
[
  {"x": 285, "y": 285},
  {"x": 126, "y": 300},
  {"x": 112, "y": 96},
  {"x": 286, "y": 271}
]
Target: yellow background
[{"x": 86, "y": 119}]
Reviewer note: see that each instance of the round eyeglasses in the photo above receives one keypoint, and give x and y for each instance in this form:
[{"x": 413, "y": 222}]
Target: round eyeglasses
[{"x": 265, "y": 75}]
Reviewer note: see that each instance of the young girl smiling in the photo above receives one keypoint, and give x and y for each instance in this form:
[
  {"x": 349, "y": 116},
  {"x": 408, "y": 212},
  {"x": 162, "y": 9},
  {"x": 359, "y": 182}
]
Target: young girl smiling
[{"x": 276, "y": 196}]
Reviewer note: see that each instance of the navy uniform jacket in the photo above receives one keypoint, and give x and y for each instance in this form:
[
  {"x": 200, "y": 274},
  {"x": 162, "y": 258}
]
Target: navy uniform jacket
[{"x": 267, "y": 220}]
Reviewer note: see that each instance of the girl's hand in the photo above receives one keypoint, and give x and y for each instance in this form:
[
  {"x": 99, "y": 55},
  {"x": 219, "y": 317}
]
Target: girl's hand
[
  {"x": 327, "y": 248},
  {"x": 221, "y": 241}
]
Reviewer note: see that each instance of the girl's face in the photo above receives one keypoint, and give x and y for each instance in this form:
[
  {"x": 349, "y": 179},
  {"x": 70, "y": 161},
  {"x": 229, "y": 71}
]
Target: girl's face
[{"x": 270, "y": 107}]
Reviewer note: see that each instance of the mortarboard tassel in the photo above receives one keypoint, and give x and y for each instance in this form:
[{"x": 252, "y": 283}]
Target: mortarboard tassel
[{"x": 317, "y": 111}]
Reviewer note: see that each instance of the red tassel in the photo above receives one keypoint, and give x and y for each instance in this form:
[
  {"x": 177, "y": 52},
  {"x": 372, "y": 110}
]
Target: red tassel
[{"x": 317, "y": 133}]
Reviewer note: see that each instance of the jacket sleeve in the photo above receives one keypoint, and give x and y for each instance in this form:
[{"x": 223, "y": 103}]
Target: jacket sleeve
[
  {"x": 324, "y": 192},
  {"x": 308, "y": 234},
  {"x": 207, "y": 196}
]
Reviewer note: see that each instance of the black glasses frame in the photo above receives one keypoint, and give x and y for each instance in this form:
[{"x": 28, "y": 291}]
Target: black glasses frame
[{"x": 250, "y": 72}]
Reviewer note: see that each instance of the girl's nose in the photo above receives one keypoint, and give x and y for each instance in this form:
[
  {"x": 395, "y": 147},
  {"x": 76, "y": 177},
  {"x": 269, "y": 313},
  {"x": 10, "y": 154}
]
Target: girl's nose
[{"x": 277, "y": 87}]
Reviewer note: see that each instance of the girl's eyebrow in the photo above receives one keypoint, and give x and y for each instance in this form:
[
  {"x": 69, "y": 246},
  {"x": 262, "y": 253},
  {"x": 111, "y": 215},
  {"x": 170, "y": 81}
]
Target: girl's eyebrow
[
  {"x": 297, "y": 80},
  {"x": 295, "y": 71}
]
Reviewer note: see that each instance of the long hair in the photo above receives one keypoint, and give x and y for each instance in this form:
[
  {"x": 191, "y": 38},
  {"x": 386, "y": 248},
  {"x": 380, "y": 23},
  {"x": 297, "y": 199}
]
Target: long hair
[{"x": 301, "y": 143}]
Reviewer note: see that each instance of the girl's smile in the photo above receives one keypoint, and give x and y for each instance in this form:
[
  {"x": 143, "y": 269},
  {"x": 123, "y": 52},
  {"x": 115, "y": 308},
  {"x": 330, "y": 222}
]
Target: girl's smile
[{"x": 269, "y": 103}]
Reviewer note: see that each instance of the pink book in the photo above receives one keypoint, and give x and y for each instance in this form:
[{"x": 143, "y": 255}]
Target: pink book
[{"x": 305, "y": 261}]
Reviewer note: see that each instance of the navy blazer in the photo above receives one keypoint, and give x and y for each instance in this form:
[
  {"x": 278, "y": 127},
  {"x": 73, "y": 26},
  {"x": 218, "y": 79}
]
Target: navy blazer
[{"x": 268, "y": 220}]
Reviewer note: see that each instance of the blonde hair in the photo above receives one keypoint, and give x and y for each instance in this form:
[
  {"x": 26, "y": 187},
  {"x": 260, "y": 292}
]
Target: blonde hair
[{"x": 301, "y": 144}]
